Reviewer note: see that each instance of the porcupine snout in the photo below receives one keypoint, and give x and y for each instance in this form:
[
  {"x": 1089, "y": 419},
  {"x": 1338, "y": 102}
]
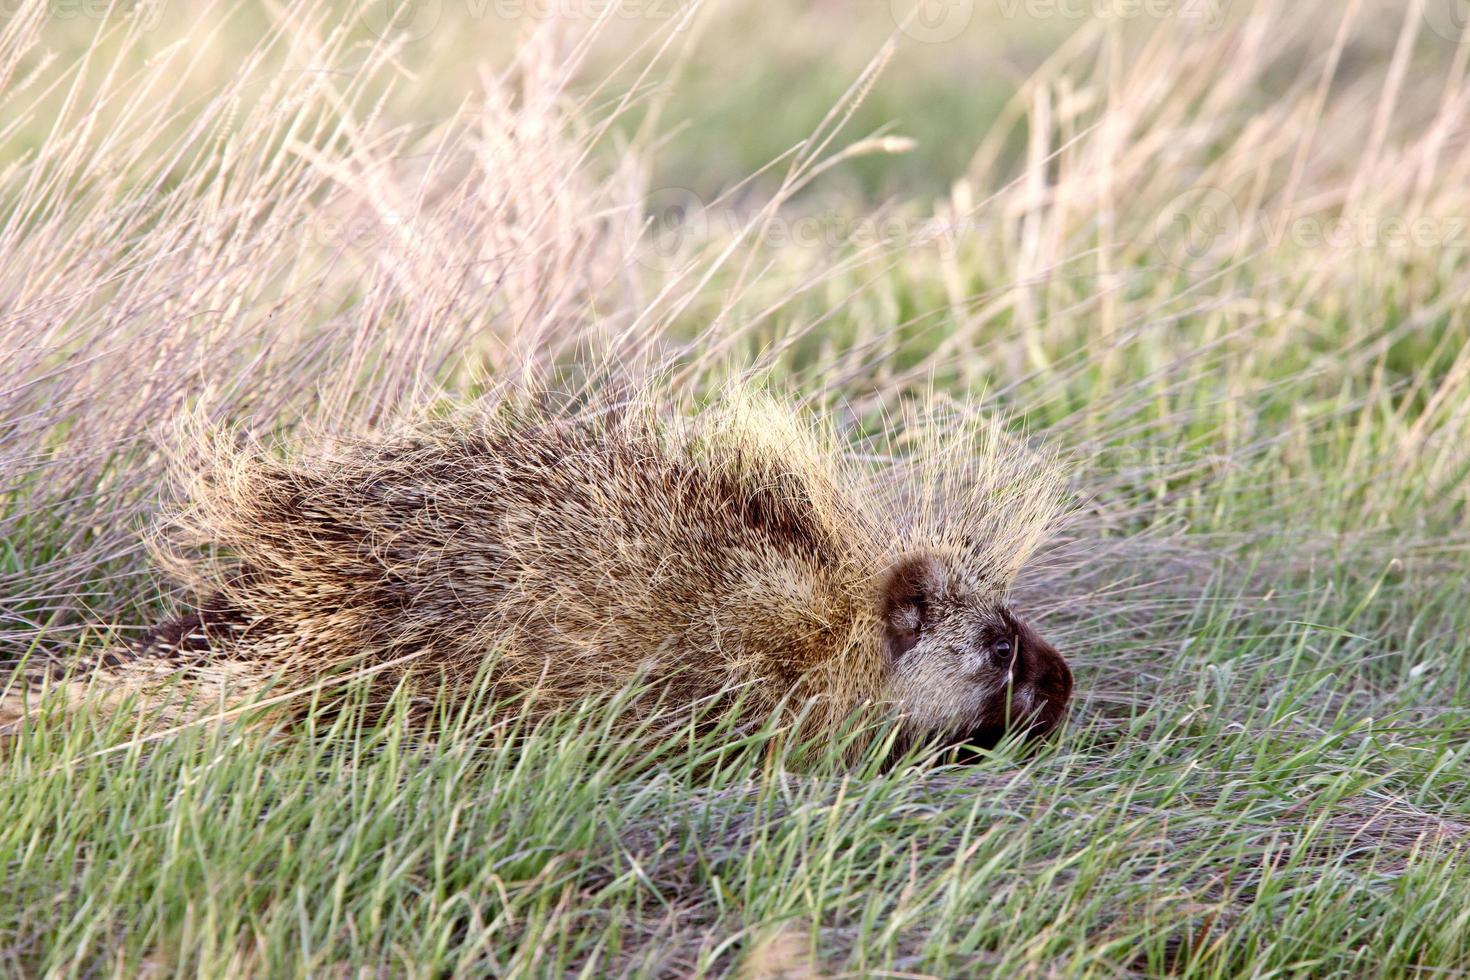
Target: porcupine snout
[
  {"x": 1034, "y": 698},
  {"x": 1046, "y": 677}
]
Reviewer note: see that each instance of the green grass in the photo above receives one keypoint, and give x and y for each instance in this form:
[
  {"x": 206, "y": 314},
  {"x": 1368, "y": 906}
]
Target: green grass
[
  {"x": 1267, "y": 770},
  {"x": 1234, "y": 821}
]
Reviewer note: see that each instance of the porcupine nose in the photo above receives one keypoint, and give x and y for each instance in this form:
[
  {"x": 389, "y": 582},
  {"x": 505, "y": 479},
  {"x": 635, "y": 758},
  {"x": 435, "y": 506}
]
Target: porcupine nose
[
  {"x": 1050, "y": 679},
  {"x": 1042, "y": 675}
]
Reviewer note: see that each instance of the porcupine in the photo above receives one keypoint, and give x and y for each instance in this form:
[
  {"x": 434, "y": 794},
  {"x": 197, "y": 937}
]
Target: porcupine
[{"x": 735, "y": 549}]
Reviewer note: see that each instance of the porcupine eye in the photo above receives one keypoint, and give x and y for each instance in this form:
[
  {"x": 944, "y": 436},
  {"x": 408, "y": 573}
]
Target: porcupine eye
[{"x": 1002, "y": 647}]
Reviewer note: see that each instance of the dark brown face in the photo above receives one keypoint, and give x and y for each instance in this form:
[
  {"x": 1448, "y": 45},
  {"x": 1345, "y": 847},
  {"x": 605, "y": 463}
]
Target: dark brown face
[
  {"x": 964, "y": 668},
  {"x": 1040, "y": 686}
]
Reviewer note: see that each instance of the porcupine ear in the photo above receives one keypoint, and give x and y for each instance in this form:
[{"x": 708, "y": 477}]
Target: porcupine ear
[{"x": 907, "y": 600}]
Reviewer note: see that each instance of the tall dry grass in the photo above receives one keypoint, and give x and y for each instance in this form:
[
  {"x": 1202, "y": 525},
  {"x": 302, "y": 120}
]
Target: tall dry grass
[{"x": 268, "y": 250}]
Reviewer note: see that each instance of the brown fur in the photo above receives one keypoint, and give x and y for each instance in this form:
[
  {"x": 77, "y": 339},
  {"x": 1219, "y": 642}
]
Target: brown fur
[{"x": 735, "y": 550}]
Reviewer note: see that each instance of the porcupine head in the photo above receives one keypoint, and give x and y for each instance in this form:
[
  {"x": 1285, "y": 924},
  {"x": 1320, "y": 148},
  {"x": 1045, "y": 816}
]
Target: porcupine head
[{"x": 936, "y": 532}]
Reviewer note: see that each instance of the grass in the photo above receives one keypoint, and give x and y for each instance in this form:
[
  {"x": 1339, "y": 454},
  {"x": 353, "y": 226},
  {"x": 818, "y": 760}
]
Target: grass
[
  {"x": 1220, "y": 267},
  {"x": 1192, "y": 834}
]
